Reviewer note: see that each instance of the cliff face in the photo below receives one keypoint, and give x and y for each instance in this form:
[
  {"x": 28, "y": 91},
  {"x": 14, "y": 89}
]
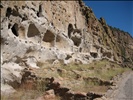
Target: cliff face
[
  {"x": 34, "y": 32},
  {"x": 64, "y": 28},
  {"x": 111, "y": 38},
  {"x": 124, "y": 42}
]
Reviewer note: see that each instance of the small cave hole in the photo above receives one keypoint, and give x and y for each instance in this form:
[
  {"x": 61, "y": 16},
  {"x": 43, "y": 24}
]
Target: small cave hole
[
  {"x": 15, "y": 29},
  {"x": 1, "y": 6},
  {"x": 68, "y": 57},
  {"x": 6, "y": 43},
  {"x": 9, "y": 26},
  {"x": 8, "y": 12},
  {"x": 39, "y": 13},
  {"x": 70, "y": 29},
  {"x": 52, "y": 24},
  {"x": 16, "y": 7},
  {"x": 76, "y": 41},
  {"x": 11, "y": 11},
  {"x": 15, "y": 12},
  {"x": 40, "y": 8},
  {"x": 32, "y": 31},
  {"x": 94, "y": 54},
  {"x": 23, "y": 7},
  {"x": 49, "y": 36},
  {"x": 80, "y": 49}
]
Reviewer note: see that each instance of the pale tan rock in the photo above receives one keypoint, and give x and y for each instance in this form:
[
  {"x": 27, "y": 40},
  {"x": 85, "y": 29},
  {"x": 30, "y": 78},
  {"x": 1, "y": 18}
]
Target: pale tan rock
[{"x": 38, "y": 31}]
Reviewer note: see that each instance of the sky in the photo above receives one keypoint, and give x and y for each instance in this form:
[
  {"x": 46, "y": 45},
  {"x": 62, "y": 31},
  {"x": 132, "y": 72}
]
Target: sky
[{"x": 118, "y": 14}]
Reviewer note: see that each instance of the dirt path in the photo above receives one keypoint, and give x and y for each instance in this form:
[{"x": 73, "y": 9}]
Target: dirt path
[{"x": 124, "y": 90}]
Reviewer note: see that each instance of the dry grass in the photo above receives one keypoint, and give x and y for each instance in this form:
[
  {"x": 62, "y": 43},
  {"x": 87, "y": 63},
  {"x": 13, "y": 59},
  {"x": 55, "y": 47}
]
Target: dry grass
[
  {"x": 102, "y": 69},
  {"x": 73, "y": 76},
  {"x": 22, "y": 95},
  {"x": 27, "y": 92}
]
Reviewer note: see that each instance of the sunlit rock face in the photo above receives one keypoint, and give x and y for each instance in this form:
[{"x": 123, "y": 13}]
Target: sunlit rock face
[{"x": 66, "y": 31}]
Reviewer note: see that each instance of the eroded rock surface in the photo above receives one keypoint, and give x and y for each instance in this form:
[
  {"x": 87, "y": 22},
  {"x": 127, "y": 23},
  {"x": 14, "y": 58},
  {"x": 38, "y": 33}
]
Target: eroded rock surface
[{"x": 40, "y": 32}]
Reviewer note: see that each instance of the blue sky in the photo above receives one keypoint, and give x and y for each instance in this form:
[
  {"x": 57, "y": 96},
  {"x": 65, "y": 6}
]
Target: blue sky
[{"x": 116, "y": 13}]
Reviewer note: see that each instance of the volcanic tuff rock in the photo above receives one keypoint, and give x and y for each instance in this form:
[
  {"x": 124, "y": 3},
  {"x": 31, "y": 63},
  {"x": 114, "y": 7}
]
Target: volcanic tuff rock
[{"x": 58, "y": 32}]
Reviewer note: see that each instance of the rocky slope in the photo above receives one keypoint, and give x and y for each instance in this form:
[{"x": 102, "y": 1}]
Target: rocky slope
[{"x": 40, "y": 33}]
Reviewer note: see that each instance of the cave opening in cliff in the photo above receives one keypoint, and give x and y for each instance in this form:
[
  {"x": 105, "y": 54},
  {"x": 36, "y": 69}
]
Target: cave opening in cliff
[
  {"x": 76, "y": 41},
  {"x": 15, "y": 29},
  {"x": 94, "y": 54},
  {"x": 8, "y": 12},
  {"x": 13, "y": 11},
  {"x": 32, "y": 31},
  {"x": 49, "y": 36},
  {"x": 70, "y": 29},
  {"x": 39, "y": 13}
]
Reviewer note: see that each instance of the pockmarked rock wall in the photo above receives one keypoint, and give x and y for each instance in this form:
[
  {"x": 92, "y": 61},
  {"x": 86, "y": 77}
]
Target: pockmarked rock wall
[{"x": 66, "y": 31}]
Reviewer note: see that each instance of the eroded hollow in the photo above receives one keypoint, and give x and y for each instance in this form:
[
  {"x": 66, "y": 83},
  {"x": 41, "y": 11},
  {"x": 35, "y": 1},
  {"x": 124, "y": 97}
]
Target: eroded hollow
[
  {"x": 8, "y": 12},
  {"x": 15, "y": 29},
  {"x": 39, "y": 13},
  {"x": 94, "y": 54},
  {"x": 49, "y": 36},
  {"x": 70, "y": 29},
  {"x": 13, "y": 11},
  {"x": 32, "y": 31},
  {"x": 76, "y": 41}
]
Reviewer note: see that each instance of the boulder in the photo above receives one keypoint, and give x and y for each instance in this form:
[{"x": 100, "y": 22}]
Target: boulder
[{"x": 10, "y": 77}]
